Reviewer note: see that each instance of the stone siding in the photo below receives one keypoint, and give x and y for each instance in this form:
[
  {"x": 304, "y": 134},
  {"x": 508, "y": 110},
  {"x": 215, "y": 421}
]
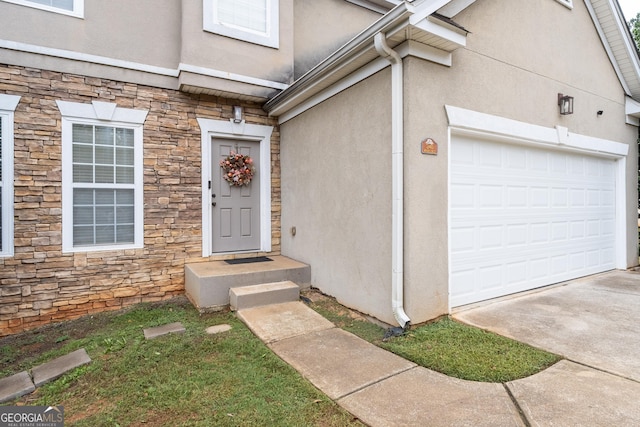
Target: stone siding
[{"x": 40, "y": 284}]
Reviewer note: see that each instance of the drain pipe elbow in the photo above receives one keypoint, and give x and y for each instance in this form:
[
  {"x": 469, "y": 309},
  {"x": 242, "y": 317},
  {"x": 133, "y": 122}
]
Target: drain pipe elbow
[{"x": 397, "y": 173}]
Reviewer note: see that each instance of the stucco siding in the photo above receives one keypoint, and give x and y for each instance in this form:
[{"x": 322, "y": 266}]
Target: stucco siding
[
  {"x": 118, "y": 40},
  {"x": 322, "y": 26},
  {"x": 336, "y": 192},
  {"x": 503, "y": 71},
  {"x": 209, "y": 50},
  {"x": 116, "y": 29}
]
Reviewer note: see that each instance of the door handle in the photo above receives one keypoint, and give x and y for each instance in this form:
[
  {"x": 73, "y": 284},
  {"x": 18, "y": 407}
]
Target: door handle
[{"x": 213, "y": 203}]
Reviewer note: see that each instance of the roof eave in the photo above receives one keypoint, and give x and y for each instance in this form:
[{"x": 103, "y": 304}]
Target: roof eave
[
  {"x": 401, "y": 23},
  {"x": 614, "y": 32},
  {"x": 397, "y": 17}
]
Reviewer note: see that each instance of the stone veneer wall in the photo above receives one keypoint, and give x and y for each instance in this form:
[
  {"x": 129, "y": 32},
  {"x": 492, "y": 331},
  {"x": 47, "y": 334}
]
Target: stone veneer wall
[{"x": 40, "y": 284}]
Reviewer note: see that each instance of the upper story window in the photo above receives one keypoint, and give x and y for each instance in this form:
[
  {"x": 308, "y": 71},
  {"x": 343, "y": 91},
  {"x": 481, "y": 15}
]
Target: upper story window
[
  {"x": 254, "y": 21},
  {"x": 8, "y": 104},
  {"x": 102, "y": 200},
  {"x": 65, "y": 7}
]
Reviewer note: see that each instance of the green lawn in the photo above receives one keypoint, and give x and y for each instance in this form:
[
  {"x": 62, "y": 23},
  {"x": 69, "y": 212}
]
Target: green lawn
[
  {"x": 448, "y": 346},
  {"x": 231, "y": 378},
  {"x": 191, "y": 379}
]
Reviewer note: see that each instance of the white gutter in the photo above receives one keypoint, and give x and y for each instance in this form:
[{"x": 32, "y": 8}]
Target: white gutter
[{"x": 397, "y": 180}]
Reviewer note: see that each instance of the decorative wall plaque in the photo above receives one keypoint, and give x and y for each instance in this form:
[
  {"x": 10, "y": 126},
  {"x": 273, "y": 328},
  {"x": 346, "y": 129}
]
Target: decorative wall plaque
[{"x": 429, "y": 146}]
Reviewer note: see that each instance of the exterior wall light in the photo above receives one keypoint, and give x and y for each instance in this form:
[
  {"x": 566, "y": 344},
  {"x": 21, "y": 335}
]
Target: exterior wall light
[
  {"x": 565, "y": 102},
  {"x": 237, "y": 114}
]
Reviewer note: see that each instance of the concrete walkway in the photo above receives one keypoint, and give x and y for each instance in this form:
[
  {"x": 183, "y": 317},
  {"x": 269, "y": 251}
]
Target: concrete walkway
[{"x": 382, "y": 389}]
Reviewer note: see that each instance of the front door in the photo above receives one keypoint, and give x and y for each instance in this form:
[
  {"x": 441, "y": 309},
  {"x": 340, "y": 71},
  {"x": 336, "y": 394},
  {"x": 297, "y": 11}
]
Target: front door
[{"x": 235, "y": 210}]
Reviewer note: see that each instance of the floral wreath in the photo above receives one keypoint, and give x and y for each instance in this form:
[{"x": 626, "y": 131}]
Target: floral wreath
[{"x": 238, "y": 169}]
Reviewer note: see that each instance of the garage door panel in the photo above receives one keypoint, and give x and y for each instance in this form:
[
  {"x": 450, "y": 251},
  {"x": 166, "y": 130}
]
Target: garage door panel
[{"x": 523, "y": 217}]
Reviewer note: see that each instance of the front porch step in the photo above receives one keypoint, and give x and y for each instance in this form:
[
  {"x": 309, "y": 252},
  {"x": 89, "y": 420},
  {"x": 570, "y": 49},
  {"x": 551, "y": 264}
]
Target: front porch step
[
  {"x": 263, "y": 294},
  {"x": 207, "y": 284}
]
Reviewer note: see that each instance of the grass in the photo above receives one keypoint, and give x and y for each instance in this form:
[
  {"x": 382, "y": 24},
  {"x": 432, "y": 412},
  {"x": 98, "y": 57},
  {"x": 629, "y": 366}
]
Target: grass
[
  {"x": 191, "y": 379},
  {"x": 447, "y": 346},
  {"x": 231, "y": 378}
]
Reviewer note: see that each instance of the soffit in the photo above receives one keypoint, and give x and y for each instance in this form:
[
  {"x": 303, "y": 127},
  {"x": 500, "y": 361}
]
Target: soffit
[{"x": 618, "y": 42}]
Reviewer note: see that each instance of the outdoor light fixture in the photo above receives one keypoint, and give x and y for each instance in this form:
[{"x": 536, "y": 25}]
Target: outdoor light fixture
[
  {"x": 565, "y": 102},
  {"x": 237, "y": 114}
]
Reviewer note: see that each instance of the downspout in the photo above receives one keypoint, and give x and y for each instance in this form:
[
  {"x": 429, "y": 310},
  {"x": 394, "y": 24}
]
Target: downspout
[{"x": 397, "y": 180}]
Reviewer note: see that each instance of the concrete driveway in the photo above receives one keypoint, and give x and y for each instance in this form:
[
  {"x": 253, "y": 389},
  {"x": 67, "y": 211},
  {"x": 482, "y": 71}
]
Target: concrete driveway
[{"x": 594, "y": 321}]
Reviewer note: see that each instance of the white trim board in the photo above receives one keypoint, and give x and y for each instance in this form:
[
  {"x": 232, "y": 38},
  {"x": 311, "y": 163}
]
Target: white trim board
[
  {"x": 209, "y": 129},
  {"x": 77, "y": 10},
  {"x": 108, "y": 114},
  {"x": 468, "y": 122},
  {"x": 8, "y": 104},
  {"x": 136, "y": 66},
  {"x": 408, "y": 48}
]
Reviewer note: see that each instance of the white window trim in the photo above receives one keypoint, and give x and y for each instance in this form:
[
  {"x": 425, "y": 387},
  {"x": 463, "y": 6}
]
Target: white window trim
[
  {"x": 239, "y": 131},
  {"x": 100, "y": 114},
  {"x": 270, "y": 38},
  {"x": 468, "y": 122},
  {"x": 8, "y": 104},
  {"x": 77, "y": 12}
]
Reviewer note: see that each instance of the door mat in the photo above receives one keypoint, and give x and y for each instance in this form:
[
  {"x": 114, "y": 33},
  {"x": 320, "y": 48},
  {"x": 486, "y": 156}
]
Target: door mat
[{"x": 247, "y": 260}]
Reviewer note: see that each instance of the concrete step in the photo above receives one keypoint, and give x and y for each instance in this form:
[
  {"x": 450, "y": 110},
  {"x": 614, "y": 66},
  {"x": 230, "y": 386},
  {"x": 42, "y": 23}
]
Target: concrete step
[
  {"x": 263, "y": 294},
  {"x": 207, "y": 284}
]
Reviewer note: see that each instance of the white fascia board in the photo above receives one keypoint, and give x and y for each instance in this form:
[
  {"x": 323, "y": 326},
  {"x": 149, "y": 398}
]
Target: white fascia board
[
  {"x": 607, "y": 11},
  {"x": 398, "y": 16},
  {"x": 293, "y": 108},
  {"x": 426, "y": 8},
  {"x": 422, "y": 51},
  {"x": 85, "y": 57},
  {"x": 232, "y": 76},
  {"x": 455, "y": 7},
  {"x": 379, "y": 8},
  {"x": 396, "y": 20},
  {"x": 136, "y": 66},
  {"x": 632, "y": 110},
  {"x": 475, "y": 123},
  {"x": 445, "y": 33}
]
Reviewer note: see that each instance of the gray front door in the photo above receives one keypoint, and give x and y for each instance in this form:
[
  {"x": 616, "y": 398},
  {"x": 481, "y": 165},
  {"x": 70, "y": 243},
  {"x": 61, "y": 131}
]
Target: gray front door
[{"x": 235, "y": 210}]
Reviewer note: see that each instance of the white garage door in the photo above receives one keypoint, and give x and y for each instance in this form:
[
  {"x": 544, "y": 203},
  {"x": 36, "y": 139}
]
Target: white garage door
[{"x": 522, "y": 217}]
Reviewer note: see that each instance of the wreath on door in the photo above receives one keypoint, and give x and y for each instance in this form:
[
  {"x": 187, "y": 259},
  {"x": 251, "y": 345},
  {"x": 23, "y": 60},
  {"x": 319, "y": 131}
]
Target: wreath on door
[{"x": 238, "y": 169}]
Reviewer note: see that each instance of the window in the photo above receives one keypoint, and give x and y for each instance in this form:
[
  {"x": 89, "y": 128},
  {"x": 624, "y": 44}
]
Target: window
[
  {"x": 254, "y": 21},
  {"x": 8, "y": 104},
  {"x": 102, "y": 203},
  {"x": 66, "y": 7}
]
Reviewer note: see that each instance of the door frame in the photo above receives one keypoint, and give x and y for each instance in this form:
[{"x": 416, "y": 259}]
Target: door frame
[
  {"x": 242, "y": 131},
  {"x": 473, "y": 123}
]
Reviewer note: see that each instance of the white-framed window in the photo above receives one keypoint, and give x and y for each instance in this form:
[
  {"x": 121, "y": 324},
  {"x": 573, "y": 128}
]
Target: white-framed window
[
  {"x": 65, "y": 7},
  {"x": 102, "y": 161},
  {"x": 254, "y": 21},
  {"x": 8, "y": 104}
]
